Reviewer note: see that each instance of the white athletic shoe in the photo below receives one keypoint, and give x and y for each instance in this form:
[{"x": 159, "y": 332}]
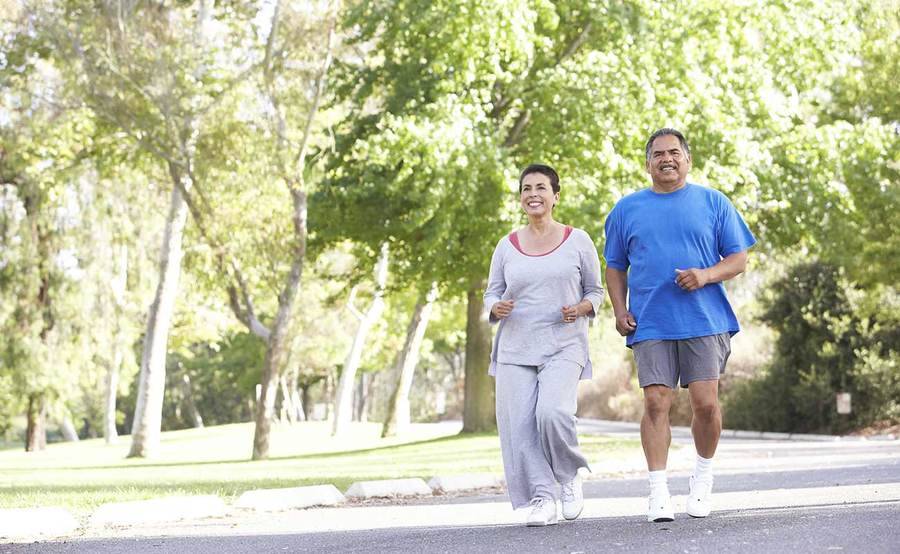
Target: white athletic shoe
[
  {"x": 543, "y": 512},
  {"x": 660, "y": 507},
  {"x": 572, "y": 498},
  {"x": 699, "y": 502}
]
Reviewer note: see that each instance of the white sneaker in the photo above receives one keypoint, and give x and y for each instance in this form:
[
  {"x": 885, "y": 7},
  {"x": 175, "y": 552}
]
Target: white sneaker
[
  {"x": 699, "y": 503},
  {"x": 660, "y": 507},
  {"x": 572, "y": 498},
  {"x": 543, "y": 512}
]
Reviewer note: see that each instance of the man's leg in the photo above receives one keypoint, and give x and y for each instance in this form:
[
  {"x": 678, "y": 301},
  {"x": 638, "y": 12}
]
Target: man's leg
[
  {"x": 656, "y": 434},
  {"x": 706, "y": 425},
  {"x": 703, "y": 360}
]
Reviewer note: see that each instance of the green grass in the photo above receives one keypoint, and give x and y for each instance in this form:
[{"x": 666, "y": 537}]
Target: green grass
[{"x": 215, "y": 460}]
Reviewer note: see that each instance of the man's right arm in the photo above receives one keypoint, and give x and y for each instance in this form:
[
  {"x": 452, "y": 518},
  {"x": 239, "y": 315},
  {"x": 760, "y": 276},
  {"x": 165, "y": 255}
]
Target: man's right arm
[{"x": 617, "y": 286}]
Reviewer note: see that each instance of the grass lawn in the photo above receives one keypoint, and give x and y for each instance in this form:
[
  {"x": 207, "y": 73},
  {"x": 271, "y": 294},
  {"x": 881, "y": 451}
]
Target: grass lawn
[{"x": 215, "y": 460}]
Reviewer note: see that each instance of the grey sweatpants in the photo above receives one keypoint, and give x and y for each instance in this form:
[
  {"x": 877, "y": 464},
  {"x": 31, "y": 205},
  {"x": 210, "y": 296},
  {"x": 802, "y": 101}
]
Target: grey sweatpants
[{"x": 536, "y": 421}]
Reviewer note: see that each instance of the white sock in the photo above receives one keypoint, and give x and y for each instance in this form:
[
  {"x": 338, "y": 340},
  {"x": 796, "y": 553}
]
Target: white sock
[
  {"x": 658, "y": 481},
  {"x": 703, "y": 468}
]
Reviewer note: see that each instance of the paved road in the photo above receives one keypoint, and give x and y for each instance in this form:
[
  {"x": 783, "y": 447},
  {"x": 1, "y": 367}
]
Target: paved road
[
  {"x": 865, "y": 527},
  {"x": 771, "y": 496}
]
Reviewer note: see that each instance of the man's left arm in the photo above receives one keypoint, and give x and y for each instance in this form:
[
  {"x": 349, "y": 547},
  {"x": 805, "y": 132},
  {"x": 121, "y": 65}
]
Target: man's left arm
[{"x": 731, "y": 266}]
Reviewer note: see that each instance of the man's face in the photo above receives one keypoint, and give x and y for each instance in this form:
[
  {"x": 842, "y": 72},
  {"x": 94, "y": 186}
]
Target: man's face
[{"x": 668, "y": 165}]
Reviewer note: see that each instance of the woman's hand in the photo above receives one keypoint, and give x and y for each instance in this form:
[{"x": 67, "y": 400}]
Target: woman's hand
[
  {"x": 502, "y": 309},
  {"x": 570, "y": 313}
]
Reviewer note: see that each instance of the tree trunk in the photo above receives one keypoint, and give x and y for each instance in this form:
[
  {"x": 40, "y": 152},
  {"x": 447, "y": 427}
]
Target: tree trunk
[
  {"x": 296, "y": 399},
  {"x": 277, "y": 346},
  {"x": 67, "y": 428},
  {"x": 397, "y": 418},
  {"x": 361, "y": 398},
  {"x": 110, "y": 434},
  {"x": 187, "y": 391},
  {"x": 343, "y": 401},
  {"x": 478, "y": 411},
  {"x": 145, "y": 429},
  {"x": 36, "y": 427}
]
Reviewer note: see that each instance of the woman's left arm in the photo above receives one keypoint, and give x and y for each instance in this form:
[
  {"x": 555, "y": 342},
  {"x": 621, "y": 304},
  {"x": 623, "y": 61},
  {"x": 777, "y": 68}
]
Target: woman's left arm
[{"x": 591, "y": 284}]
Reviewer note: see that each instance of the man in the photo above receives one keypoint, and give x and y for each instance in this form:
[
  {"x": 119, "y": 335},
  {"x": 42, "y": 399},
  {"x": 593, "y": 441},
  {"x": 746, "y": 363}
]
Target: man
[{"x": 668, "y": 250}]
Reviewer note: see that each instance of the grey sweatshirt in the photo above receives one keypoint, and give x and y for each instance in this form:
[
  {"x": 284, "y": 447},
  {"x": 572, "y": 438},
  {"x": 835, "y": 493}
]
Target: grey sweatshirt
[{"x": 540, "y": 286}]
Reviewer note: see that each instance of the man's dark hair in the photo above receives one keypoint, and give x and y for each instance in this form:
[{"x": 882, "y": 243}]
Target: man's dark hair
[
  {"x": 543, "y": 170},
  {"x": 663, "y": 132}
]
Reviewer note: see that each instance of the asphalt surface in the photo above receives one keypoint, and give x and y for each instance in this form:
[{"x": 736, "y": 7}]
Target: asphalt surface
[{"x": 864, "y": 527}]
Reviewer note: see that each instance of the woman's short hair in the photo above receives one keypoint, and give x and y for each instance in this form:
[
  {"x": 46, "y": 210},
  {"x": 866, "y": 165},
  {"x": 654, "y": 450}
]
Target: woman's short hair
[{"x": 543, "y": 170}]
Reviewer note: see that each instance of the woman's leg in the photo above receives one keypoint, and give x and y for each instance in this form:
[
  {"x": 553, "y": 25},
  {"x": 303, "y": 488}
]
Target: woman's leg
[
  {"x": 557, "y": 401},
  {"x": 528, "y": 473}
]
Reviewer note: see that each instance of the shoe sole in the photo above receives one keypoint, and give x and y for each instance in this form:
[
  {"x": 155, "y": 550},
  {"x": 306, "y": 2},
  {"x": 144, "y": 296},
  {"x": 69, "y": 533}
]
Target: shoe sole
[
  {"x": 662, "y": 519},
  {"x": 540, "y": 523},
  {"x": 573, "y": 517}
]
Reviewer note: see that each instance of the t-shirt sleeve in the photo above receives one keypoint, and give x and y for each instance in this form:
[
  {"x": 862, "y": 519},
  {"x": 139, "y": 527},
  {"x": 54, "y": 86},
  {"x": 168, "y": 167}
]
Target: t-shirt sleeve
[
  {"x": 496, "y": 284},
  {"x": 614, "y": 251},
  {"x": 733, "y": 234}
]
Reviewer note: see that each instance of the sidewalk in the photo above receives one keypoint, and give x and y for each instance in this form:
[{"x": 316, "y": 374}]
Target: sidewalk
[{"x": 476, "y": 499}]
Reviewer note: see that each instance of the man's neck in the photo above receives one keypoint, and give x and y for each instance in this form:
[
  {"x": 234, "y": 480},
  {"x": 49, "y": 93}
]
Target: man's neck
[{"x": 666, "y": 188}]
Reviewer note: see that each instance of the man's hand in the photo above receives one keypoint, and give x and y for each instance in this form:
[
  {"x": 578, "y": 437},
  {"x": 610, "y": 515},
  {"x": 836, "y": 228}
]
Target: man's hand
[
  {"x": 625, "y": 323},
  {"x": 691, "y": 279},
  {"x": 503, "y": 308}
]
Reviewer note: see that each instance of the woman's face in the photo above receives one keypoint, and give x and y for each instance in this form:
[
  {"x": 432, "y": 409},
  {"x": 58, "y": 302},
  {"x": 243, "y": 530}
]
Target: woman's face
[{"x": 537, "y": 196}]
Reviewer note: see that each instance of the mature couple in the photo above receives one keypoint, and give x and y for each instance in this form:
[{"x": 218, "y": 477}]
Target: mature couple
[{"x": 668, "y": 249}]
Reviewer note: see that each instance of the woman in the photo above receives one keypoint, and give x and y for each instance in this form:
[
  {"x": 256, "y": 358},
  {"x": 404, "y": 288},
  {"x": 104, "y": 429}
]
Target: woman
[{"x": 544, "y": 283}]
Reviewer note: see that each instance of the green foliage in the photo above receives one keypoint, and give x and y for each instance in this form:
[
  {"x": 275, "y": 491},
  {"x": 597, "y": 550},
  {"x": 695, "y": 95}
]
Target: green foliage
[
  {"x": 223, "y": 378},
  {"x": 832, "y": 337}
]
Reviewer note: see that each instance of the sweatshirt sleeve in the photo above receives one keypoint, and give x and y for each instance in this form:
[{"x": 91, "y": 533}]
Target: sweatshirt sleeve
[
  {"x": 496, "y": 285},
  {"x": 591, "y": 285}
]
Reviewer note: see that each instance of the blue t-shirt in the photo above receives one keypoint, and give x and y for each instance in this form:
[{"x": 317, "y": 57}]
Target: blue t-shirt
[{"x": 650, "y": 235}]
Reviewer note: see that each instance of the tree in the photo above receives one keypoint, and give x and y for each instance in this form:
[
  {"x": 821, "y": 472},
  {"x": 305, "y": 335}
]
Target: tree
[
  {"x": 397, "y": 418},
  {"x": 344, "y": 394},
  {"x": 143, "y": 76}
]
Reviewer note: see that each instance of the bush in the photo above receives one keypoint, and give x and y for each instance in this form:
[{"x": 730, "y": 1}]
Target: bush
[{"x": 832, "y": 337}]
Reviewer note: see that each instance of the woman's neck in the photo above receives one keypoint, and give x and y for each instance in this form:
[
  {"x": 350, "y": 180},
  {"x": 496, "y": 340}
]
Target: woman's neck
[{"x": 542, "y": 226}]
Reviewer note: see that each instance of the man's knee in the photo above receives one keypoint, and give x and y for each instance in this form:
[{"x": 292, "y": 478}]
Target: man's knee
[
  {"x": 705, "y": 400},
  {"x": 706, "y": 410},
  {"x": 657, "y": 402}
]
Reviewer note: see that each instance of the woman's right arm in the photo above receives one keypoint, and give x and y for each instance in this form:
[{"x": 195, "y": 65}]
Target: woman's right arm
[{"x": 496, "y": 284}]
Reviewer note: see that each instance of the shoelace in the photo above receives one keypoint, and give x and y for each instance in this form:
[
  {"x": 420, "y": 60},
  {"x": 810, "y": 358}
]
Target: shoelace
[
  {"x": 568, "y": 491},
  {"x": 538, "y": 502}
]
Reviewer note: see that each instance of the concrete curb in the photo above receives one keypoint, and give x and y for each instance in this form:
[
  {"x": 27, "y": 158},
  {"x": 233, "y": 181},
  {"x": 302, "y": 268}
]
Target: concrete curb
[
  {"x": 272, "y": 500},
  {"x": 387, "y": 488},
  {"x": 158, "y": 510},
  {"x": 451, "y": 483},
  {"x": 30, "y": 523}
]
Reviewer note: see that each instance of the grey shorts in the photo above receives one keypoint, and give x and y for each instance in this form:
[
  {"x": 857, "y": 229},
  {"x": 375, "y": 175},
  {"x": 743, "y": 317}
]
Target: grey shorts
[{"x": 664, "y": 362}]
